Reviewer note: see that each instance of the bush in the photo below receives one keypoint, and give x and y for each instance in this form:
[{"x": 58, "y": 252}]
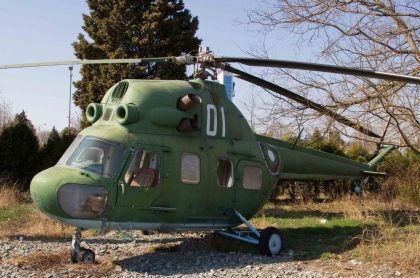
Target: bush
[
  {"x": 19, "y": 151},
  {"x": 404, "y": 176}
]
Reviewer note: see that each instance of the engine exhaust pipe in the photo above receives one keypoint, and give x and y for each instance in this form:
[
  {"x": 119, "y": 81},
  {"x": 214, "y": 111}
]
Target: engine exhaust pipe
[{"x": 188, "y": 101}]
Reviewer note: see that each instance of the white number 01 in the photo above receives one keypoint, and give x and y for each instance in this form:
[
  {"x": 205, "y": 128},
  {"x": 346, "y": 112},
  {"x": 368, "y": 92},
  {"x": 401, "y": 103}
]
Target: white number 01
[{"x": 212, "y": 120}]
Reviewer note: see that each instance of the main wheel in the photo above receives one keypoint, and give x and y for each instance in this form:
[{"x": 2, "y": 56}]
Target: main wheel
[
  {"x": 271, "y": 242},
  {"x": 86, "y": 256}
]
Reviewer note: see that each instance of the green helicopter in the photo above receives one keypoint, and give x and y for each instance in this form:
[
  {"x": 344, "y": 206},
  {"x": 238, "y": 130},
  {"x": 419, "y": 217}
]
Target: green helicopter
[{"x": 179, "y": 156}]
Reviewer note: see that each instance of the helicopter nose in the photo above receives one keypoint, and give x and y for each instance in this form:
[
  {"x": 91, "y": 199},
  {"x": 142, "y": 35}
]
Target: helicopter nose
[
  {"x": 66, "y": 193},
  {"x": 43, "y": 190}
]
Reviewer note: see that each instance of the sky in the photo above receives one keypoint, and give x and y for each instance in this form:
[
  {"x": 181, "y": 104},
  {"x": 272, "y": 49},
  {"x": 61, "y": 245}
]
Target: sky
[{"x": 37, "y": 31}]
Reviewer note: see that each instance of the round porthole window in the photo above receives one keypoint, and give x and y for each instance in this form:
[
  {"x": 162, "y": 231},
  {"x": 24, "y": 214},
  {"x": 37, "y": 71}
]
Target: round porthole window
[{"x": 271, "y": 157}]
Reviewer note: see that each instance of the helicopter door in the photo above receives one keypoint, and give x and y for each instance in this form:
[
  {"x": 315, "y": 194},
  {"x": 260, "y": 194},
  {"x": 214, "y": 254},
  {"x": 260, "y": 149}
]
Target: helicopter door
[
  {"x": 222, "y": 186},
  {"x": 252, "y": 184},
  {"x": 139, "y": 183}
]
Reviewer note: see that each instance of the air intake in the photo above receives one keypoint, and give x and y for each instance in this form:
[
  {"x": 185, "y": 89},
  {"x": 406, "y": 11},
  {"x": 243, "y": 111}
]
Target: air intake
[{"x": 119, "y": 91}]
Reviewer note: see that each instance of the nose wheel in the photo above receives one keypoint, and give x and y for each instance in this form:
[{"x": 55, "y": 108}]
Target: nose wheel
[{"x": 80, "y": 254}]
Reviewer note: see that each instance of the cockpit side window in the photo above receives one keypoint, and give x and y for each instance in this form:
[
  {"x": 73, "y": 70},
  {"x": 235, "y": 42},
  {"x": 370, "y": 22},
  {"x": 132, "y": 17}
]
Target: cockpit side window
[
  {"x": 94, "y": 155},
  {"x": 144, "y": 169},
  {"x": 69, "y": 150}
]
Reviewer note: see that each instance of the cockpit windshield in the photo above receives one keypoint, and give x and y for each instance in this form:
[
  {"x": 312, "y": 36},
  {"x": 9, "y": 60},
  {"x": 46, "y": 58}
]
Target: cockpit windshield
[{"x": 94, "y": 155}]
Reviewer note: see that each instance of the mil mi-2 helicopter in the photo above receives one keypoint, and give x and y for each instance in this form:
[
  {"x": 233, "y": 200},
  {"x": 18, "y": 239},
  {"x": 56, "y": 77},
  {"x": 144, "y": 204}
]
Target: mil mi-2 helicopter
[{"x": 179, "y": 156}]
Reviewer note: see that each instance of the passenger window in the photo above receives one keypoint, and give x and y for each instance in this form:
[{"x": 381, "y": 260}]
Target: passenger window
[
  {"x": 252, "y": 177},
  {"x": 190, "y": 168},
  {"x": 143, "y": 170},
  {"x": 225, "y": 173}
]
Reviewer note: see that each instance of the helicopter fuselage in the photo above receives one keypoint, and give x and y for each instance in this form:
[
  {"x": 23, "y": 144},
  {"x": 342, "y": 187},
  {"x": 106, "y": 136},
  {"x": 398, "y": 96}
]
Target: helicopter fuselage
[{"x": 171, "y": 168}]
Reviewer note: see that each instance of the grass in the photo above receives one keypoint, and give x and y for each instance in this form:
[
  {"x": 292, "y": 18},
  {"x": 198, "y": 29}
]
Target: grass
[
  {"x": 14, "y": 212},
  {"x": 19, "y": 217},
  {"x": 370, "y": 230},
  {"x": 9, "y": 195},
  {"x": 33, "y": 224},
  {"x": 308, "y": 232}
]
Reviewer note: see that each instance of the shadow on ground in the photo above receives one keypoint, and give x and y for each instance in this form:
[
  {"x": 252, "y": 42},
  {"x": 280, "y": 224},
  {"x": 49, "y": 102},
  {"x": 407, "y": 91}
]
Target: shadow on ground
[{"x": 195, "y": 256}]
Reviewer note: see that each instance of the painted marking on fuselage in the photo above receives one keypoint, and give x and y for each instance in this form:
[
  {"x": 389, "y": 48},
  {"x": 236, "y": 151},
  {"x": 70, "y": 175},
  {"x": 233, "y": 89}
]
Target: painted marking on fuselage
[
  {"x": 211, "y": 110},
  {"x": 212, "y": 117}
]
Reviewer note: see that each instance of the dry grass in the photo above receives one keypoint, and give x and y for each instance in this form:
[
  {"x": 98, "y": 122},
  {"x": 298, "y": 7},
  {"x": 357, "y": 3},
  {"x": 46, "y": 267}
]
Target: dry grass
[
  {"x": 397, "y": 246},
  {"x": 396, "y": 237},
  {"x": 34, "y": 225},
  {"x": 24, "y": 219},
  {"x": 59, "y": 261},
  {"x": 370, "y": 208},
  {"x": 9, "y": 195},
  {"x": 393, "y": 233},
  {"x": 41, "y": 260},
  {"x": 166, "y": 248}
]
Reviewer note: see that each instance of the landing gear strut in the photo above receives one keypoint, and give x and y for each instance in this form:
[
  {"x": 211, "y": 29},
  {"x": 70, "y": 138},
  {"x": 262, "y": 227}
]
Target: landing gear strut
[
  {"x": 80, "y": 254},
  {"x": 268, "y": 240}
]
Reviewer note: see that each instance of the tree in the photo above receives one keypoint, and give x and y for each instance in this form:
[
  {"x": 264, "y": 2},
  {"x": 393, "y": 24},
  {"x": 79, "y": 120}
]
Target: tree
[
  {"x": 19, "y": 150},
  {"x": 357, "y": 151},
  {"x": 378, "y": 35},
  {"x": 330, "y": 142},
  {"x": 316, "y": 141},
  {"x": 55, "y": 147},
  {"x": 50, "y": 152},
  {"x": 5, "y": 115},
  {"x": 132, "y": 29}
]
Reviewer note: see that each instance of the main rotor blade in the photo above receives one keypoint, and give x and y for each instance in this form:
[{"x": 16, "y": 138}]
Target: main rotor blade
[
  {"x": 298, "y": 98},
  {"x": 320, "y": 67},
  {"x": 88, "y": 62}
]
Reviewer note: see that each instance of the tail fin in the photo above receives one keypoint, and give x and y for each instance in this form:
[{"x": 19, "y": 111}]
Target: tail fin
[{"x": 385, "y": 150}]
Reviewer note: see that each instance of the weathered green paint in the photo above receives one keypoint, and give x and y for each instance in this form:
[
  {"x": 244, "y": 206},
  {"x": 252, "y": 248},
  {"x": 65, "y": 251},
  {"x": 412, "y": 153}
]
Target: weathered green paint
[
  {"x": 302, "y": 163},
  {"x": 172, "y": 201}
]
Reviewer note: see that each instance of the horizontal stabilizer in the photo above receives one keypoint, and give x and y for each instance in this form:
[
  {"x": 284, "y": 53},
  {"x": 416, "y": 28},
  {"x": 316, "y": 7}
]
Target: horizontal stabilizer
[{"x": 372, "y": 173}]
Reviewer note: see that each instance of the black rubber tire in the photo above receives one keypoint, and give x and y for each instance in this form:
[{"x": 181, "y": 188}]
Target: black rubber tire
[
  {"x": 86, "y": 256},
  {"x": 74, "y": 256},
  {"x": 271, "y": 242}
]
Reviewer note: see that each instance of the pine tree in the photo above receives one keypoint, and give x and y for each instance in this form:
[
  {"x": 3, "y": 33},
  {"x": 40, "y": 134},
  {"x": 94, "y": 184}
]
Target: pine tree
[
  {"x": 334, "y": 144},
  {"x": 331, "y": 143},
  {"x": 19, "y": 150},
  {"x": 316, "y": 141},
  {"x": 356, "y": 151},
  {"x": 55, "y": 147},
  {"x": 132, "y": 29},
  {"x": 50, "y": 152}
]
